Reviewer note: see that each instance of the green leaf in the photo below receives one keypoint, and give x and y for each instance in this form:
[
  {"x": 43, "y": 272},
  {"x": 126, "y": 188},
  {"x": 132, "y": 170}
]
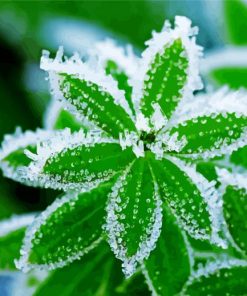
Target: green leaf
[
  {"x": 92, "y": 275},
  {"x": 134, "y": 215},
  {"x": 13, "y": 157},
  {"x": 228, "y": 279},
  {"x": 166, "y": 78},
  {"x": 89, "y": 94},
  {"x": 167, "y": 70},
  {"x": 121, "y": 64},
  {"x": 12, "y": 232},
  {"x": 236, "y": 15},
  {"x": 235, "y": 212},
  {"x": 66, "y": 230},
  {"x": 188, "y": 195},
  {"x": 211, "y": 135},
  {"x": 80, "y": 162},
  {"x": 168, "y": 266}
]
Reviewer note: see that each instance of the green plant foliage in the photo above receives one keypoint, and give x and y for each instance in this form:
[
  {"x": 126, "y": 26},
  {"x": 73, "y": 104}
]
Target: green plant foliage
[
  {"x": 127, "y": 152},
  {"x": 235, "y": 207},
  {"x": 236, "y": 14},
  {"x": 170, "y": 258},
  {"x": 221, "y": 281}
]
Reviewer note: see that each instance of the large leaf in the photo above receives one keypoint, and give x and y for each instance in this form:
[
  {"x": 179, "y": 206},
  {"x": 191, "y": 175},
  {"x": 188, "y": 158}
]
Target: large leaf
[
  {"x": 89, "y": 94},
  {"x": 168, "y": 266},
  {"x": 11, "y": 235},
  {"x": 92, "y": 275},
  {"x": 227, "y": 278},
  {"x": 235, "y": 211},
  {"x": 211, "y": 135},
  {"x": 77, "y": 160},
  {"x": 191, "y": 198},
  {"x": 234, "y": 190},
  {"x": 134, "y": 215},
  {"x": 66, "y": 230},
  {"x": 167, "y": 68}
]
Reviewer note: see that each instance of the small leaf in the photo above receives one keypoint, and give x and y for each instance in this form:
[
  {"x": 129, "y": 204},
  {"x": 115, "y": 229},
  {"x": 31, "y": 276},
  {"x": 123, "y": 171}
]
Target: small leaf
[
  {"x": 121, "y": 64},
  {"x": 228, "y": 278},
  {"x": 191, "y": 198},
  {"x": 89, "y": 94},
  {"x": 168, "y": 266},
  {"x": 13, "y": 158},
  {"x": 56, "y": 118},
  {"x": 65, "y": 231},
  {"x": 170, "y": 68},
  {"x": 12, "y": 232},
  {"x": 92, "y": 275},
  {"x": 211, "y": 135},
  {"x": 121, "y": 77},
  {"x": 134, "y": 215}
]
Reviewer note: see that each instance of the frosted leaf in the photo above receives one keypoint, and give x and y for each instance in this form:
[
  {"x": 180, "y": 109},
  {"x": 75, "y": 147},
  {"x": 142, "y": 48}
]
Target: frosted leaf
[
  {"x": 78, "y": 160},
  {"x": 191, "y": 198},
  {"x": 57, "y": 118},
  {"x": 169, "y": 68},
  {"x": 234, "y": 192},
  {"x": 89, "y": 94},
  {"x": 12, "y": 233},
  {"x": 13, "y": 153},
  {"x": 211, "y": 135},
  {"x": 121, "y": 64},
  {"x": 226, "y": 277},
  {"x": 65, "y": 231},
  {"x": 134, "y": 216},
  {"x": 92, "y": 275},
  {"x": 170, "y": 257}
]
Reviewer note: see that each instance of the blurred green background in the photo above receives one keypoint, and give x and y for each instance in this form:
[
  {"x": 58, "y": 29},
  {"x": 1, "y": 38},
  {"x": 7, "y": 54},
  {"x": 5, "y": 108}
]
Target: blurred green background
[{"x": 27, "y": 27}]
